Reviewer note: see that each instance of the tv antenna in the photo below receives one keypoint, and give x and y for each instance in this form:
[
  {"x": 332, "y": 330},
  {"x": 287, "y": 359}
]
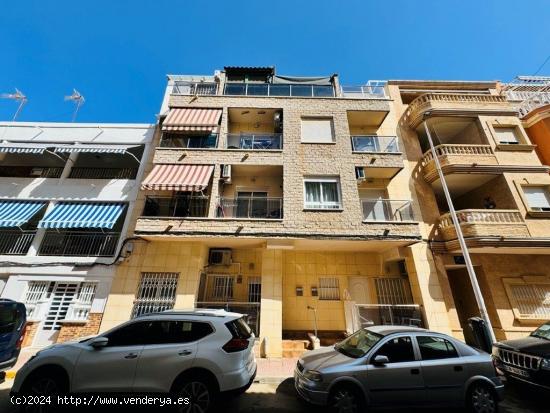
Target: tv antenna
[
  {"x": 78, "y": 99},
  {"x": 17, "y": 96}
]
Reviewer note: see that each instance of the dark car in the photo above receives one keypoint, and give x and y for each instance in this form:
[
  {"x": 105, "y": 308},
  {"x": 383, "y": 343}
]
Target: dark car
[
  {"x": 526, "y": 359},
  {"x": 12, "y": 332}
]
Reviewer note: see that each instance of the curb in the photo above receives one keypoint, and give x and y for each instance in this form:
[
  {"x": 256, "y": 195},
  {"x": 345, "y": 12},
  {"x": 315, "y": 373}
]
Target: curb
[{"x": 271, "y": 380}]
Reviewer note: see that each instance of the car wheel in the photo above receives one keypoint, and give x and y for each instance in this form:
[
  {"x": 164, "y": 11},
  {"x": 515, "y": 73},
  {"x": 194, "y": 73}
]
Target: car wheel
[
  {"x": 44, "y": 384},
  {"x": 346, "y": 400},
  {"x": 482, "y": 399},
  {"x": 200, "y": 395}
]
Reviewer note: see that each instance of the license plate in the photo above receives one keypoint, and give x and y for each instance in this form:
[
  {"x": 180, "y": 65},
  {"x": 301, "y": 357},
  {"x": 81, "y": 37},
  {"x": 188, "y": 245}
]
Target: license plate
[{"x": 515, "y": 370}]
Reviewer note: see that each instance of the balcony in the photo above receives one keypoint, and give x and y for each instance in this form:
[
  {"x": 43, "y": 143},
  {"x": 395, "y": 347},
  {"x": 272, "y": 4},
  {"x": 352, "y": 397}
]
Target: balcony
[
  {"x": 82, "y": 244},
  {"x": 194, "y": 88},
  {"x": 456, "y": 104},
  {"x": 251, "y": 141},
  {"x": 176, "y": 140},
  {"x": 103, "y": 173},
  {"x": 15, "y": 242},
  {"x": 483, "y": 223},
  {"x": 372, "y": 90},
  {"x": 448, "y": 155},
  {"x": 177, "y": 206},
  {"x": 250, "y": 207},
  {"x": 383, "y": 210},
  {"x": 375, "y": 144},
  {"x": 279, "y": 89},
  {"x": 30, "y": 171}
]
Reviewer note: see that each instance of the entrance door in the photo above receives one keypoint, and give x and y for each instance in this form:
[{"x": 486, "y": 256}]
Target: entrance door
[
  {"x": 465, "y": 301},
  {"x": 359, "y": 289},
  {"x": 62, "y": 296}
]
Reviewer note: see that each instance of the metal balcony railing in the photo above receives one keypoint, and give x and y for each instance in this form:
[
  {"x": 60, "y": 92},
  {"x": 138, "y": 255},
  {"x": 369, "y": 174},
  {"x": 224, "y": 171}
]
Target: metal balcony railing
[
  {"x": 15, "y": 242},
  {"x": 78, "y": 312},
  {"x": 103, "y": 173},
  {"x": 250, "y": 207},
  {"x": 194, "y": 88},
  {"x": 82, "y": 244},
  {"x": 30, "y": 171},
  {"x": 250, "y": 310},
  {"x": 183, "y": 206},
  {"x": 372, "y": 90},
  {"x": 278, "y": 89},
  {"x": 387, "y": 210},
  {"x": 254, "y": 141},
  {"x": 375, "y": 143},
  {"x": 367, "y": 315}
]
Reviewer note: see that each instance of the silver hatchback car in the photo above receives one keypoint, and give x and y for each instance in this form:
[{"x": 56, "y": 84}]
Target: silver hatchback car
[{"x": 398, "y": 366}]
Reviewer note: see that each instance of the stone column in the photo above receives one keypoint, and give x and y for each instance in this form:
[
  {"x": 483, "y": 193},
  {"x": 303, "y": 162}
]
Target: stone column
[{"x": 271, "y": 305}]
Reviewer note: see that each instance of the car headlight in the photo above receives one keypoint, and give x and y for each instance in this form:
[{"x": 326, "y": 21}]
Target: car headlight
[
  {"x": 494, "y": 353},
  {"x": 545, "y": 364},
  {"x": 313, "y": 375}
]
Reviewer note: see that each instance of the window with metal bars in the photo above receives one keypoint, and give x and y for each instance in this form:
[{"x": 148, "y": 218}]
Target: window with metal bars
[
  {"x": 531, "y": 301},
  {"x": 392, "y": 291},
  {"x": 329, "y": 289},
  {"x": 86, "y": 293},
  {"x": 223, "y": 287},
  {"x": 254, "y": 289},
  {"x": 156, "y": 292},
  {"x": 37, "y": 291}
]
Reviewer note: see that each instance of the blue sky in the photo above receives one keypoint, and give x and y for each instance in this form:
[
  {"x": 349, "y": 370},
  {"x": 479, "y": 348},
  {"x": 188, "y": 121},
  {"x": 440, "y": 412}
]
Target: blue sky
[{"x": 117, "y": 52}]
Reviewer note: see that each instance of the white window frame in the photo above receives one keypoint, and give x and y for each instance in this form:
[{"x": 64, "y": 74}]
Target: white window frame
[
  {"x": 512, "y": 128},
  {"x": 330, "y": 119},
  {"x": 329, "y": 289},
  {"x": 530, "y": 207},
  {"x": 328, "y": 207}
]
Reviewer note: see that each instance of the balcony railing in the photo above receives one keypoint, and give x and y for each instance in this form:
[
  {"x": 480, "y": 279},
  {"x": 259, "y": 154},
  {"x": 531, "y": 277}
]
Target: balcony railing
[
  {"x": 250, "y": 310},
  {"x": 256, "y": 141},
  {"x": 375, "y": 90},
  {"x": 15, "y": 242},
  {"x": 367, "y": 315},
  {"x": 250, "y": 207},
  {"x": 82, "y": 244},
  {"x": 184, "y": 206},
  {"x": 103, "y": 173},
  {"x": 387, "y": 210},
  {"x": 30, "y": 171},
  {"x": 78, "y": 312},
  {"x": 278, "y": 89},
  {"x": 482, "y": 216},
  {"x": 375, "y": 143},
  {"x": 194, "y": 88},
  {"x": 453, "y": 149}
]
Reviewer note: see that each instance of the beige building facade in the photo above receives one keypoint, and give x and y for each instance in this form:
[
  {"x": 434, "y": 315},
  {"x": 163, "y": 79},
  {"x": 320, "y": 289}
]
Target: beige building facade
[{"x": 314, "y": 207}]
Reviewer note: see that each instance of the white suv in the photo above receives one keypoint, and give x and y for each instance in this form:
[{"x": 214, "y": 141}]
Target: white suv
[{"x": 195, "y": 354}]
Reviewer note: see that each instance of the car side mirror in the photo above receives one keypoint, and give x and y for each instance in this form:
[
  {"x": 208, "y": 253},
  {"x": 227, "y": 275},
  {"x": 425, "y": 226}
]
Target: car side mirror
[
  {"x": 99, "y": 342},
  {"x": 380, "y": 360}
]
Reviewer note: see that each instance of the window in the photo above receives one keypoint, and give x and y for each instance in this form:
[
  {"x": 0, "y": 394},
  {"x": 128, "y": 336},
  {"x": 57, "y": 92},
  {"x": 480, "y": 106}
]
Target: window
[
  {"x": 254, "y": 289},
  {"x": 175, "y": 140},
  {"x": 223, "y": 288},
  {"x": 329, "y": 289},
  {"x": 391, "y": 291},
  {"x": 157, "y": 292},
  {"x": 506, "y": 136},
  {"x": 397, "y": 350},
  {"x": 435, "y": 348},
  {"x": 529, "y": 300},
  {"x": 538, "y": 198},
  {"x": 173, "y": 332},
  {"x": 322, "y": 193},
  {"x": 317, "y": 130},
  {"x": 133, "y": 334}
]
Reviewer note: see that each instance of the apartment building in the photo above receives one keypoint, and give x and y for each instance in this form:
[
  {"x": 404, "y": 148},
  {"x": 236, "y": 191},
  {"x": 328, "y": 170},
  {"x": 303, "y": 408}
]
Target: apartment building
[
  {"x": 67, "y": 195},
  {"x": 500, "y": 190},
  {"x": 286, "y": 198}
]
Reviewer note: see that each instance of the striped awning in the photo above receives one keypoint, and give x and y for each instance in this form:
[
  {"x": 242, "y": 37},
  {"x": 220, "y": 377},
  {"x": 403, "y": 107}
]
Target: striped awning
[
  {"x": 91, "y": 148},
  {"x": 178, "y": 178},
  {"x": 82, "y": 215},
  {"x": 12, "y": 147},
  {"x": 17, "y": 213},
  {"x": 192, "y": 120}
]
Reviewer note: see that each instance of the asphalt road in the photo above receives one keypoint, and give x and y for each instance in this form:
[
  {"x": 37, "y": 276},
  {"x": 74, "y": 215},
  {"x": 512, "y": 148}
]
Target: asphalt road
[{"x": 263, "y": 398}]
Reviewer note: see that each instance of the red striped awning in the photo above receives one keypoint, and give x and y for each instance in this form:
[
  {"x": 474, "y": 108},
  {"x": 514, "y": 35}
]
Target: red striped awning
[
  {"x": 170, "y": 177},
  {"x": 192, "y": 119}
]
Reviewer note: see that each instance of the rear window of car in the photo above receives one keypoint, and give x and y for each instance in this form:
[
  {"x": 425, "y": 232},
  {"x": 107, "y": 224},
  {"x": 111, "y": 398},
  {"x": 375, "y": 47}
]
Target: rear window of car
[{"x": 239, "y": 328}]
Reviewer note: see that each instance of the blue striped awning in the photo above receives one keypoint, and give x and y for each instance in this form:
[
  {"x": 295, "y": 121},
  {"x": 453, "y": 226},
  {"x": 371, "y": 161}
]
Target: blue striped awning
[
  {"x": 92, "y": 148},
  {"x": 82, "y": 215},
  {"x": 17, "y": 213}
]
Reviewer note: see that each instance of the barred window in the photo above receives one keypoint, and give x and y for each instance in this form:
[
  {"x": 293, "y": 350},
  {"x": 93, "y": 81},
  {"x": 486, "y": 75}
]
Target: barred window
[
  {"x": 86, "y": 293},
  {"x": 329, "y": 289},
  {"x": 157, "y": 292},
  {"x": 254, "y": 289},
  {"x": 223, "y": 287},
  {"x": 392, "y": 291},
  {"x": 530, "y": 300}
]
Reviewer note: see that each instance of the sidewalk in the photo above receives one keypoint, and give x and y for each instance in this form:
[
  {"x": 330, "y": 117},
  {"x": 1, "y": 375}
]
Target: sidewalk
[{"x": 275, "y": 370}]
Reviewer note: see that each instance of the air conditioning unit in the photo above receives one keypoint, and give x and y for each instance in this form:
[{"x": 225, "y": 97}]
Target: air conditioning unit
[
  {"x": 219, "y": 256},
  {"x": 360, "y": 173},
  {"x": 226, "y": 173},
  {"x": 278, "y": 121}
]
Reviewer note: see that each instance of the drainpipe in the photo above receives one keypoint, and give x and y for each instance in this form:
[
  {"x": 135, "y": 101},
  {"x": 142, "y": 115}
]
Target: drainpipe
[
  {"x": 314, "y": 319},
  {"x": 469, "y": 266}
]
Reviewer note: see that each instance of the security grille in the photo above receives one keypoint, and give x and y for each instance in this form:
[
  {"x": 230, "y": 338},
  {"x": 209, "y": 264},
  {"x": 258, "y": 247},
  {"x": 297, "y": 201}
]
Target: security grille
[
  {"x": 254, "y": 289},
  {"x": 532, "y": 300},
  {"x": 62, "y": 296},
  {"x": 391, "y": 291},
  {"x": 329, "y": 289},
  {"x": 86, "y": 293},
  {"x": 37, "y": 291},
  {"x": 222, "y": 287},
  {"x": 157, "y": 292}
]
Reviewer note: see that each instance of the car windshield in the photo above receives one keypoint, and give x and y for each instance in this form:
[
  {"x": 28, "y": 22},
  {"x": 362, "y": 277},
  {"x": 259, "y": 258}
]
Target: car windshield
[
  {"x": 542, "y": 332},
  {"x": 358, "y": 344}
]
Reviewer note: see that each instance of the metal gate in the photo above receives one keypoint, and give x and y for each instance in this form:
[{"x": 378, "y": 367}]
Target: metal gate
[{"x": 62, "y": 297}]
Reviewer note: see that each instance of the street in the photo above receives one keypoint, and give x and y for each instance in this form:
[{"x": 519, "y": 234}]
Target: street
[{"x": 263, "y": 397}]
